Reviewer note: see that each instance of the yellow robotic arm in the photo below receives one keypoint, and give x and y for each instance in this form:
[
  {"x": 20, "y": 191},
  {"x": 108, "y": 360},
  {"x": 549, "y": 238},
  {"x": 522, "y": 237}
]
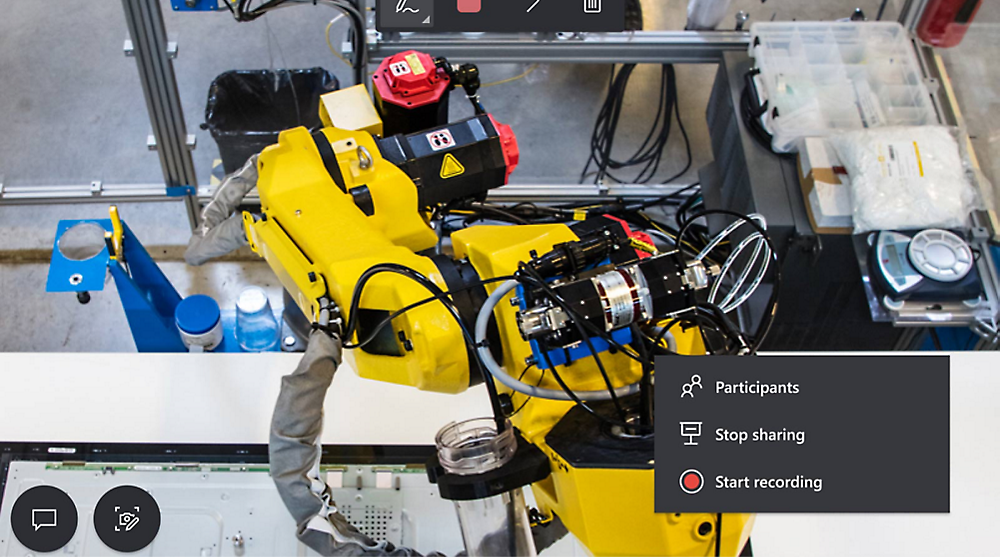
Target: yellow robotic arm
[{"x": 338, "y": 203}]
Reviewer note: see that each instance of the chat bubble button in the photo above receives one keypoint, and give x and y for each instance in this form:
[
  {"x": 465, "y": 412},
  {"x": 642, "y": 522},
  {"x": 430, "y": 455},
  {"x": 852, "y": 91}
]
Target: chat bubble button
[{"x": 44, "y": 518}]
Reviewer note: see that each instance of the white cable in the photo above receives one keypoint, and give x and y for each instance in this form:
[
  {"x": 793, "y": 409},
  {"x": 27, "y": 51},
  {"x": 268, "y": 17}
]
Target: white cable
[
  {"x": 753, "y": 287},
  {"x": 743, "y": 275},
  {"x": 729, "y": 230},
  {"x": 728, "y": 307},
  {"x": 727, "y": 265},
  {"x": 761, "y": 248},
  {"x": 723, "y": 271},
  {"x": 482, "y": 323}
]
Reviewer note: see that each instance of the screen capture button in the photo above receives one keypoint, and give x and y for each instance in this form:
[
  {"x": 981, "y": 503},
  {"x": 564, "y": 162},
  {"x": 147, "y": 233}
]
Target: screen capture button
[
  {"x": 127, "y": 518},
  {"x": 44, "y": 518}
]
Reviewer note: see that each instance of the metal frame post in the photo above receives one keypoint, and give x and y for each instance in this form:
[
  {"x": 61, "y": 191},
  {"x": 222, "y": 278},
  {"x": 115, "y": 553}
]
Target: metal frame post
[
  {"x": 159, "y": 86},
  {"x": 910, "y": 13}
]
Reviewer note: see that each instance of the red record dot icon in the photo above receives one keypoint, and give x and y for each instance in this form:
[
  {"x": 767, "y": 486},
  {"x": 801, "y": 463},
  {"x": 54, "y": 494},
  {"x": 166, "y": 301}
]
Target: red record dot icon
[{"x": 691, "y": 481}]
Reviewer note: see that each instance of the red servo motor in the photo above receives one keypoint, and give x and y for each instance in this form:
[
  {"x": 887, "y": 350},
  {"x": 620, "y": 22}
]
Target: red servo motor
[{"x": 411, "y": 93}]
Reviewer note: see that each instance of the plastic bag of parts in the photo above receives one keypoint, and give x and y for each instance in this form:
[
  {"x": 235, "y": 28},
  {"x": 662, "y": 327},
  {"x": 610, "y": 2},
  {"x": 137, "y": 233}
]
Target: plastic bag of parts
[
  {"x": 248, "y": 108},
  {"x": 908, "y": 178}
]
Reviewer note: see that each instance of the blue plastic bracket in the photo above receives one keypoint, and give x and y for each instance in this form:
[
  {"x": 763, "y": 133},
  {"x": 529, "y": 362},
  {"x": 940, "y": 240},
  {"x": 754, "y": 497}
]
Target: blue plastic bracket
[
  {"x": 69, "y": 275},
  {"x": 180, "y": 191},
  {"x": 196, "y": 6},
  {"x": 563, "y": 356},
  {"x": 146, "y": 295}
]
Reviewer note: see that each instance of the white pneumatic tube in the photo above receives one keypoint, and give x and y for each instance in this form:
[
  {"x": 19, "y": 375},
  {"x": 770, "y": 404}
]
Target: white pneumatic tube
[{"x": 483, "y": 320}]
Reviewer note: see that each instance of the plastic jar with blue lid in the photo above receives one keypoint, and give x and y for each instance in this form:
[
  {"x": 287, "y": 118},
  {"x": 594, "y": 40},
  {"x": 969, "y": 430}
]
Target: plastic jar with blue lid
[{"x": 199, "y": 321}]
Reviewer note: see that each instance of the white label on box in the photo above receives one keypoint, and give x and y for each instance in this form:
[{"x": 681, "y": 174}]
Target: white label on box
[
  {"x": 400, "y": 68},
  {"x": 900, "y": 160},
  {"x": 441, "y": 140},
  {"x": 868, "y": 105}
]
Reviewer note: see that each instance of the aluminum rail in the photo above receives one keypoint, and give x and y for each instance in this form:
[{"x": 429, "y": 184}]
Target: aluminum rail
[
  {"x": 95, "y": 192},
  {"x": 638, "y": 47},
  {"x": 562, "y": 193}
]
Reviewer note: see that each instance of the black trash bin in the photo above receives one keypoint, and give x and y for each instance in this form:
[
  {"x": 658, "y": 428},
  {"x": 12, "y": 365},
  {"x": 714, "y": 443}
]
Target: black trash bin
[{"x": 248, "y": 108}]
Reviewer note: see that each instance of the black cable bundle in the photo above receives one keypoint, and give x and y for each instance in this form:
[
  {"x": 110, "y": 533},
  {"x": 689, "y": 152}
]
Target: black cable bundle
[{"x": 650, "y": 154}]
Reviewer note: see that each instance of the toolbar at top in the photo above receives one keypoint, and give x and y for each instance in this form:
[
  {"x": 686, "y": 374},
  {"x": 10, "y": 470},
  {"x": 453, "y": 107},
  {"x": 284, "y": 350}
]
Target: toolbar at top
[{"x": 500, "y": 15}]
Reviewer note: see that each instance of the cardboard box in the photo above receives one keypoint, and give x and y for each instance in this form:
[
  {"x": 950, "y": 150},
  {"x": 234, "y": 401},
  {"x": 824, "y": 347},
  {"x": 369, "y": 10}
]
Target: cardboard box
[
  {"x": 350, "y": 109},
  {"x": 826, "y": 188}
]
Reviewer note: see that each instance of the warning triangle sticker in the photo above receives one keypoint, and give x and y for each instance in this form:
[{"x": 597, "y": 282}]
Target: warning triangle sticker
[{"x": 451, "y": 167}]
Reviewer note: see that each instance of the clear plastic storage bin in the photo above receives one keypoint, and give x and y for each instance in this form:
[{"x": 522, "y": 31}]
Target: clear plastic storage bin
[{"x": 823, "y": 76}]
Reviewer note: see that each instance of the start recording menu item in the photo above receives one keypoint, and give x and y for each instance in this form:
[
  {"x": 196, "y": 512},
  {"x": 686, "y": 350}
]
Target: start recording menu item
[{"x": 802, "y": 434}]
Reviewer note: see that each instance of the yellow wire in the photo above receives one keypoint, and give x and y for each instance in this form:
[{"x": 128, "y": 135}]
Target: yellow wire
[
  {"x": 523, "y": 75},
  {"x": 668, "y": 234},
  {"x": 330, "y": 45}
]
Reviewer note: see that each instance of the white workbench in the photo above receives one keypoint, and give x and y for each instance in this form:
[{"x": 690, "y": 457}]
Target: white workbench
[{"x": 228, "y": 398}]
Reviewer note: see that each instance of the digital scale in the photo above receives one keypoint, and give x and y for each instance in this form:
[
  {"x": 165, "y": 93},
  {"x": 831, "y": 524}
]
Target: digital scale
[{"x": 931, "y": 265}]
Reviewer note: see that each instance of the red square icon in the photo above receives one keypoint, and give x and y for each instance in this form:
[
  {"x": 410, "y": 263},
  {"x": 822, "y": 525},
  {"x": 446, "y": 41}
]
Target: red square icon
[{"x": 470, "y": 6}]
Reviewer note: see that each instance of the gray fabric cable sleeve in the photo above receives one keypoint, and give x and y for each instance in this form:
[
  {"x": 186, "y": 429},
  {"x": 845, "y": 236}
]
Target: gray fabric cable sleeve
[
  {"x": 294, "y": 451},
  {"x": 221, "y": 232}
]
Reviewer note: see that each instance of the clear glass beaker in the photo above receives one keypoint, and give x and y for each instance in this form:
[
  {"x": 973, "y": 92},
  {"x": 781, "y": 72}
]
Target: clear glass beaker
[{"x": 497, "y": 525}]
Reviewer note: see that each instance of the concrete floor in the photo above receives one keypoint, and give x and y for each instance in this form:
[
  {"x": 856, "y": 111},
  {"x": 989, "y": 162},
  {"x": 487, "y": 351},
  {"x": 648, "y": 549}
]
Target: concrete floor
[{"x": 71, "y": 111}]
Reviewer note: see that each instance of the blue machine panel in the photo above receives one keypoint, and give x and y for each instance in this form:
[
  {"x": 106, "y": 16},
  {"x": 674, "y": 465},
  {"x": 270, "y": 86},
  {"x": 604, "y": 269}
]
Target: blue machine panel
[{"x": 563, "y": 356}]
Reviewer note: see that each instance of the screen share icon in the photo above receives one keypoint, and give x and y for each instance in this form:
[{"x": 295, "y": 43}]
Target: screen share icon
[{"x": 691, "y": 430}]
